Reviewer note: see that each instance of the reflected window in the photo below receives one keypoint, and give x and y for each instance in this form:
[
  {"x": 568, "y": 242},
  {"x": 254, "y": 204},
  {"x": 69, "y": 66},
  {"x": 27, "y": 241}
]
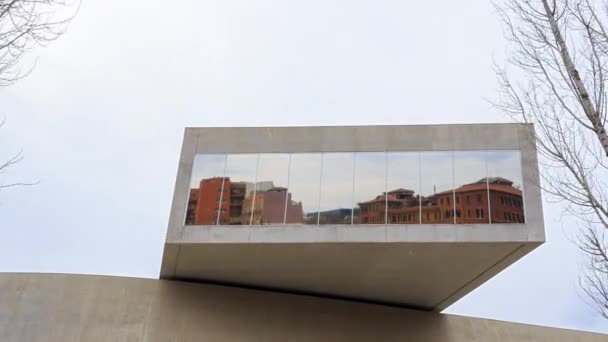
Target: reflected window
[
  {"x": 505, "y": 187},
  {"x": 304, "y": 188},
  {"x": 370, "y": 188},
  {"x": 205, "y": 189},
  {"x": 437, "y": 187},
  {"x": 403, "y": 188},
  {"x": 336, "y": 204},
  {"x": 239, "y": 191},
  {"x": 470, "y": 179},
  {"x": 272, "y": 195}
]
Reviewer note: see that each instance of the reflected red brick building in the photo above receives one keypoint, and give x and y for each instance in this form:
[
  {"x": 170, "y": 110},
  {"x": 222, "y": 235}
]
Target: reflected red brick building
[
  {"x": 270, "y": 207},
  {"x": 235, "y": 204},
  {"x": 206, "y": 201},
  {"x": 465, "y": 204}
]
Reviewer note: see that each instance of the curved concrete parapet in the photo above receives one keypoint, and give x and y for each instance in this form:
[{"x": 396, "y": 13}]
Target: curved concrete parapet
[{"x": 58, "y": 307}]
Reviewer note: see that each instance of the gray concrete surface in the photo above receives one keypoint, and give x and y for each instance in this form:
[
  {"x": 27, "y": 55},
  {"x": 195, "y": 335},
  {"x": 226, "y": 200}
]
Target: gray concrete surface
[
  {"x": 423, "y": 276},
  {"x": 66, "y": 308},
  {"x": 360, "y": 139},
  {"x": 225, "y": 253}
]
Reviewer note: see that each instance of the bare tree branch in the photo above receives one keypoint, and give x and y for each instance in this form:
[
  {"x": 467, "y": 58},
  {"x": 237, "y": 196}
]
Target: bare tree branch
[
  {"x": 25, "y": 23},
  {"x": 11, "y": 161},
  {"x": 559, "y": 49}
]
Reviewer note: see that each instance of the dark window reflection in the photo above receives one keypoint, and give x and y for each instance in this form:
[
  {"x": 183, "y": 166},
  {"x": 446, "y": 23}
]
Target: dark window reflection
[
  {"x": 437, "y": 187},
  {"x": 403, "y": 183},
  {"x": 205, "y": 189},
  {"x": 370, "y": 188},
  {"x": 304, "y": 188},
  {"x": 505, "y": 187},
  {"x": 336, "y": 205},
  {"x": 470, "y": 177}
]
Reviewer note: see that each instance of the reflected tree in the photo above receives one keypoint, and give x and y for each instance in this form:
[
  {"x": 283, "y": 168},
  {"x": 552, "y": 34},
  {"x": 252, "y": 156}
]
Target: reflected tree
[{"x": 559, "y": 54}]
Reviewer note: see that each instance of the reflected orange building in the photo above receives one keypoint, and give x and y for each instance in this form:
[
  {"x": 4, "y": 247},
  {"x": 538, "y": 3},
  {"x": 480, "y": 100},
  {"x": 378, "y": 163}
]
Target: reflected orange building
[
  {"x": 506, "y": 201},
  {"x": 206, "y": 201},
  {"x": 235, "y": 204},
  {"x": 471, "y": 205}
]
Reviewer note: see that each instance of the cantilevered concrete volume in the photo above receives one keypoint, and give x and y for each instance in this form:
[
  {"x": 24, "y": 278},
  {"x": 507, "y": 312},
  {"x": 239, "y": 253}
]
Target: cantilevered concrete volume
[{"x": 412, "y": 216}]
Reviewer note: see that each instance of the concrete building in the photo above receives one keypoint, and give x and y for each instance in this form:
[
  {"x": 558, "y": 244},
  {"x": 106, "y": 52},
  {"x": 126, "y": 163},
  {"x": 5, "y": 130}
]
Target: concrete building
[{"x": 382, "y": 241}]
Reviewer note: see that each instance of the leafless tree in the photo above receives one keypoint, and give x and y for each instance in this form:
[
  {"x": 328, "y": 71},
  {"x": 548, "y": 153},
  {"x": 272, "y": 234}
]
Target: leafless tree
[
  {"x": 556, "y": 77},
  {"x": 11, "y": 161},
  {"x": 24, "y": 24}
]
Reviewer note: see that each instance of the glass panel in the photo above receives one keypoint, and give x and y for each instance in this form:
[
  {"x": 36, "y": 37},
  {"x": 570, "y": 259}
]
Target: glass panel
[
  {"x": 336, "y": 205},
  {"x": 370, "y": 188},
  {"x": 239, "y": 194},
  {"x": 437, "y": 187},
  {"x": 304, "y": 186},
  {"x": 470, "y": 171},
  {"x": 404, "y": 188},
  {"x": 313, "y": 188},
  {"x": 505, "y": 184},
  {"x": 205, "y": 187},
  {"x": 271, "y": 189}
]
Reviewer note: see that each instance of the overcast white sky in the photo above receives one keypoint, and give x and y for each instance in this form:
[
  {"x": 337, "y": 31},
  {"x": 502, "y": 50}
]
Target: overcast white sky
[{"x": 101, "y": 120}]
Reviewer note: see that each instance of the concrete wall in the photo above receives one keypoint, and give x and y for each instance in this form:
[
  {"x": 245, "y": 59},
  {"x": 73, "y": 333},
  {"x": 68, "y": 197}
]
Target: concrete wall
[
  {"x": 362, "y": 139},
  {"x": 44, "y": 307}
]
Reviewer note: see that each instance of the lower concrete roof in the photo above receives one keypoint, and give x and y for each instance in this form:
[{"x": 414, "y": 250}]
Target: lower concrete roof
[{"x": 67, "y": 308}]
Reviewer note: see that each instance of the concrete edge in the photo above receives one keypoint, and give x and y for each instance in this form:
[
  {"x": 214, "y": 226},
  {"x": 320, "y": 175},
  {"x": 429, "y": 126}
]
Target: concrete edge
[{"x": 488, "y": 274}]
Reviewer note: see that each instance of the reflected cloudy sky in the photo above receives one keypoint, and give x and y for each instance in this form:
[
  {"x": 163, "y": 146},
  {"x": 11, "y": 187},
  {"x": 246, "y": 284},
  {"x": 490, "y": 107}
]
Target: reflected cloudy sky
[
  {"x": 370, "y": 176},
  {"x": 436, "y": 169},
  {"x": 404, "y": 171},
  {"x": 337, "y": 181},
  {"x": 470, "y": 167},
  {"x": 207, "y": 166},
  {"x": 304, "y": 180},
  {"x": 274, "y": 167},
  {"x": 506, "y": 165}
]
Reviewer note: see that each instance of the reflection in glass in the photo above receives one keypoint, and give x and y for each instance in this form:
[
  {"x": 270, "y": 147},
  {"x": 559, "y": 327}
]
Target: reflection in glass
[
  {"x": 205, "y": 187},
  {"x": 271, "y": 191},
  {"x": 505, "y": 186},
  {"x": 471, "y": 182},
  {"x": 370, "y": 188},
  {"x": 239, "y": 193},
  {"x": 304, "y": 186},
  {"x": 437, "y": 187},
  {"x": 336, "y": 204},
  {"x": 473, "y": 187},
  {"x": 403, "y": 186}
]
